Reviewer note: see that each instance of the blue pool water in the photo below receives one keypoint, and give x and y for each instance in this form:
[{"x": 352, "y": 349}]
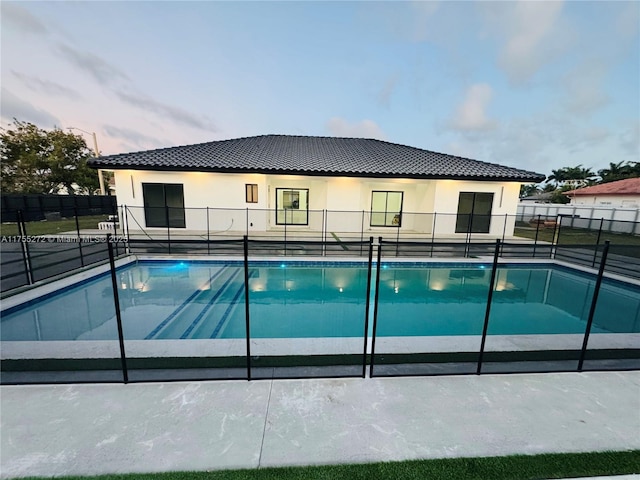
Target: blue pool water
[{"x": 201, "y": 300}]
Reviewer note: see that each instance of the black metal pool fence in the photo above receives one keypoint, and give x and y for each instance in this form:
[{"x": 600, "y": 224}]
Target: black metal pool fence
[
  {"x": 370, "y": 354},
  {"x": 34, "y": 250}
]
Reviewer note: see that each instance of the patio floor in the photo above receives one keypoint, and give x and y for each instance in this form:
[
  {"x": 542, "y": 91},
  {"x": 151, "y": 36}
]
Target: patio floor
[{"x": 113, "y": 428}]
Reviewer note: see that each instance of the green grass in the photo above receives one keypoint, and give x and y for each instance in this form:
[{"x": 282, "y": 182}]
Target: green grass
[
  {"x": 517, "y": 467},
  {"x": 54, "y": 227},
  {"x": 577, "y": 236}
]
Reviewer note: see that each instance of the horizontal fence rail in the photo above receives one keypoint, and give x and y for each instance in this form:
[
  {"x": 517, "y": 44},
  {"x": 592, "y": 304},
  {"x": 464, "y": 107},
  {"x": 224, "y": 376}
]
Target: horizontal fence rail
[
  {"x": 468, "y": 316},
  {"x": 34, "y": 250}
]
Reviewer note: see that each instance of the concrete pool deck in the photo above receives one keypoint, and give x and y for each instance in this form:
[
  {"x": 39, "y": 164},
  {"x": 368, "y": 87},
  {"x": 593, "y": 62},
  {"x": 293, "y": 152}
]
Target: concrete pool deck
[{"x": 53, "y": 430}]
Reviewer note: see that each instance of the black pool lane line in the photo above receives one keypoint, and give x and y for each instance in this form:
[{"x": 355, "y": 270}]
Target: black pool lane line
[
  {"x": 173, "y": 314},
  {"x": 208, "y": 306},
  {"x": 232, "y": 305}
]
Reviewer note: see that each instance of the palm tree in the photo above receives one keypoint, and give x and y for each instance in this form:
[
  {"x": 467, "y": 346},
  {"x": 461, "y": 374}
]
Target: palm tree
[
  {"x": 577, "y": 176},
  {"x": 618, "y": 171},
  {"x": 529, "y": 190}
]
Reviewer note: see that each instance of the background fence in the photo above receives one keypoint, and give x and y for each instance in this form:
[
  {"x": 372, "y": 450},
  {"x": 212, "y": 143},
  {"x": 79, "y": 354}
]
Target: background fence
[
  {"x": 616, "y": 219},
  {"x": 52, "y": 207},
  {"x": 366, "y": 332},
  {"x": 37, "y": 249}
]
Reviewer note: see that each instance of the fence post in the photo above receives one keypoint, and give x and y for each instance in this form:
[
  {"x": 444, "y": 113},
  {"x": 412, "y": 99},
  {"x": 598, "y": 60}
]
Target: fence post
[
  {"x": 116, "y": 218},
  {"x": 116, "y": 301},
  {"x": 488, "y": 309},
  {"x": 285, "y": 232},
  {"x": 556, "y": 227},
  {"x": 433, "y": 232},
  {"x": 125, "y": 210},
  {"x": 75, "y": 212},
  {"x": 322, "y": 234},
  {"x": 535, "y": 242},
  {"x": 397, "y": 239},
  {"x": 208, "y": 239},
  {"x": 166, "y": 211},
  {"x": 246, "y": 304},
  {"x": 595, "y": 250},
  {"x": 24, "y": 247},
  {"x": 375, "y": 307},
  {"x": 366, "y": 309},
  {"x": 594, "y": 302},
  {"x": 504, "y": 228},
  {"x": 22, "y": 226},
  {"x": 467, "y": 245}
]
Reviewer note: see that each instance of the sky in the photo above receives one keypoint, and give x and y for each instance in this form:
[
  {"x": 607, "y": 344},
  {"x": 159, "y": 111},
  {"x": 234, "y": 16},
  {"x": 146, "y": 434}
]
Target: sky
[{"x": 534, "y": 85}]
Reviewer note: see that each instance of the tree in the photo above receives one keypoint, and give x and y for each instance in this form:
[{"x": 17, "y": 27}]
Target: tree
[
  {"x": 529, "y": 190},
  {"x": 577, "y": 176},
  {"x": 558, "y": 196},
  {"x": 619, "y": 171},
  {"x": 40, "y": 161}
]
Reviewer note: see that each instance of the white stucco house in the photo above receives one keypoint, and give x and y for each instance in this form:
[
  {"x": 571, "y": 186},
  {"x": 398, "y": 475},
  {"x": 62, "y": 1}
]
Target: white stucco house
[
  {"x": 622, "y": 193},
  {"x": 270, "y": 182}
]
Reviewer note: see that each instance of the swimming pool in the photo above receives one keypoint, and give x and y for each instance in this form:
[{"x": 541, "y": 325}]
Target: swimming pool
[{"x": 168, "y": 300}]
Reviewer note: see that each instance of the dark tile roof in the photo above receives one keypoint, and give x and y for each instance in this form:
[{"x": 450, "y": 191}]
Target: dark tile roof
[{"x": 325, "y": 156}]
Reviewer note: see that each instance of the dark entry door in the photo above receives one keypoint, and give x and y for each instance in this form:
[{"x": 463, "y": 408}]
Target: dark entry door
[
  {"x": 474, "y": 212},
  {"x": 164, "y": 205}
]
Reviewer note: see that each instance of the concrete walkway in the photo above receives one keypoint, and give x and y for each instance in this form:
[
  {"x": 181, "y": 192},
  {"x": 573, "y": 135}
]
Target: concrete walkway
[{"x": 97, "y": 429}]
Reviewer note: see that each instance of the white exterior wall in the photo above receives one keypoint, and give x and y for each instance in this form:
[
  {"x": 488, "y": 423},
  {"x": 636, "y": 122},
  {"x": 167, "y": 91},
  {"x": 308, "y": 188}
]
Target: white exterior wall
[
  {"x": 623, "y": 201},
  {"x": 505, "y": 203},
  {"x": 224, "y": 194},
  {"x": 624, "y": 220}
]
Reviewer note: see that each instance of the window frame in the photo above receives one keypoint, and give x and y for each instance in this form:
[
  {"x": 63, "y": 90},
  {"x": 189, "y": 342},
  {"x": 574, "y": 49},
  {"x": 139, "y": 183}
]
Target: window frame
[
  {"x": 397, "y": 216},
  {"x": 298, "y": 209},
  {"x": 474, "y": 221},
  {"x": 251, "y": 192},
  {"x": 176, "y": 214}
]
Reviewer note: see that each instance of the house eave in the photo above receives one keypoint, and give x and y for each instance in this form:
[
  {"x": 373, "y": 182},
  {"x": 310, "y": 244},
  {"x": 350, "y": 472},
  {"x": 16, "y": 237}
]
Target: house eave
[{"x": 316, "y": 173}]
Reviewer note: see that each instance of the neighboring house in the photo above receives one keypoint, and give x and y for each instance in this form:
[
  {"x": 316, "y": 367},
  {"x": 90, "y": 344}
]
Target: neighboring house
[
  {"x": 274, "y": 181},
  {"x": 538, "y": 198},
  {"x": 622, "y": 193}
]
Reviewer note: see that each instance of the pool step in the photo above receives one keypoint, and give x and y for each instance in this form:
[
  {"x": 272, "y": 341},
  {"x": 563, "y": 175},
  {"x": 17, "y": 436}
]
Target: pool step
[
  {"x": 215, "y": 328},
  {"x": 194, "y": 307}
]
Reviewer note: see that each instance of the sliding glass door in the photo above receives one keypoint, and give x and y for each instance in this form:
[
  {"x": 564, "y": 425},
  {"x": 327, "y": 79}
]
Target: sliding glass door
[{"x": 474, "y": 212}]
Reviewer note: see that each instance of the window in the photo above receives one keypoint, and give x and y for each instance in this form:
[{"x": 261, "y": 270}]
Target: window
[
  {"x": 474, "y": 212},
  {"x": 386, "y": 209},
  {"x": 292, "y": 206},
  {"x": 163, "y": 204},
  {"x": 251, "y": 193}
]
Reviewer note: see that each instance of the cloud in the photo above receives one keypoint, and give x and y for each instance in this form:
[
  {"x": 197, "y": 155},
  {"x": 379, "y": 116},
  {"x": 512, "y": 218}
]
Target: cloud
[
  {"x": 628, "y": 21},
  {"x": 138, "y": 139},
  {"x": 103, "y": 72},
  {"x": 14, "y": 107},
  {"x": 584, "y": 92},
  {"x": 121, "y": 85},
  {"x": 471, "y": 113},
  {"x": 46, "y": 86},
  {"x": 630, "y": 141},
  {"x": 176, "y": 114},
  {"x": 384, "y": 96},
  {"x": 339, "y": 127},
  {"x": 531, "y": 32},
  {"x": 421, "y": 13},
  {"x": 22, "y": 19}
]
